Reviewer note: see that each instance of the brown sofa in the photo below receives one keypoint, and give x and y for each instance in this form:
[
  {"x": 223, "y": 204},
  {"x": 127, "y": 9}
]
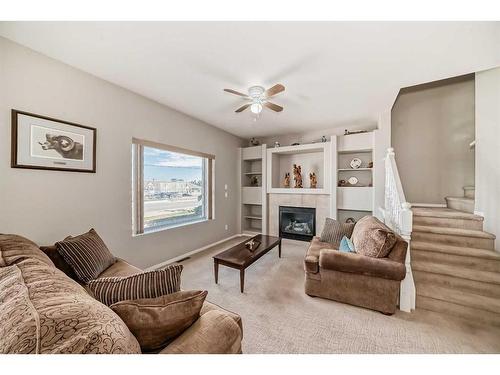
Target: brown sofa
[
  {"x": 353, "y": 278},
  {"x": 42, "y": 310}
]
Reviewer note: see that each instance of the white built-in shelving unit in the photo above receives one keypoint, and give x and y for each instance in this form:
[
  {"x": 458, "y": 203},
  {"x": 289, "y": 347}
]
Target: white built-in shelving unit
[
  {"x": 253, "y": 198},
  {"x": 313, "y": 157},
  {"x": 352, "y": 201}
]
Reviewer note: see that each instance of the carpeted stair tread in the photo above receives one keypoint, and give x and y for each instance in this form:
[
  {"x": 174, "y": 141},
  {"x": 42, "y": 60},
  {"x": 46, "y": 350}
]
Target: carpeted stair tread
[
  {"x": 447, "y": 213},
  {"x": 475, "y": 301},
  {"x": 455, "y": 250},
  {"x": 465, "y": 312},
  {"x": 457, "y": 283},
  {"x": 453, "y": 232},
  {"x": 460, "y": 204},
  {"x": 456, "y": 271}
]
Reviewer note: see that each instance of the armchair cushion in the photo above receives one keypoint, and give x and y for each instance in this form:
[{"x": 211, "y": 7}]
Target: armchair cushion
[
  {"x": 334, "y": 230},
  {"x": 373, "y": 238},
  {"x": 360, "y": 264}
]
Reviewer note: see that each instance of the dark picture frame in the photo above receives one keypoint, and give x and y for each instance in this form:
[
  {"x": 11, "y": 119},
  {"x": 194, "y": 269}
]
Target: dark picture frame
[{"x": 63, "y": 152}]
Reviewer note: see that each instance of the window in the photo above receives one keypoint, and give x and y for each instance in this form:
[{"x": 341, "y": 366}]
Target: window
[{"x": 172, "y": 186}]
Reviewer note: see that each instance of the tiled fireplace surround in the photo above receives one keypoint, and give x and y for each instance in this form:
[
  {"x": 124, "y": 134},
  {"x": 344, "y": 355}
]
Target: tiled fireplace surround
[{"x": 319, "y": 201}]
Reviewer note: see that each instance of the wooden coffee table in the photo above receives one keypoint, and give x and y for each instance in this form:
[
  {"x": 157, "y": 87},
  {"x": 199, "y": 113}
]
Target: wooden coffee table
[{"x": 240, "y": 257}]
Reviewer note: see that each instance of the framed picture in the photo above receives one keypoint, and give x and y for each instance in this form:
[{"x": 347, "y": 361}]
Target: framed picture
[{"x": 40, "y": 142}]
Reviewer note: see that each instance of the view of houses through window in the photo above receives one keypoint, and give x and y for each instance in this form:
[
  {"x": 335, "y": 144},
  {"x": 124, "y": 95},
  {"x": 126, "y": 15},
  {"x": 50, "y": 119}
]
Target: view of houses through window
[{"x": 174, "y": 188}]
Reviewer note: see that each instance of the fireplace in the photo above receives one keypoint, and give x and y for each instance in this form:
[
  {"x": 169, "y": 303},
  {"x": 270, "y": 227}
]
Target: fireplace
[{"x": 297, "y": 223}]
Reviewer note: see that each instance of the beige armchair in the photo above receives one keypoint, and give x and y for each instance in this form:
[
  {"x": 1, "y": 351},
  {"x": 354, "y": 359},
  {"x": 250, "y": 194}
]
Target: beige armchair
[{"x": 353, "y": 278}]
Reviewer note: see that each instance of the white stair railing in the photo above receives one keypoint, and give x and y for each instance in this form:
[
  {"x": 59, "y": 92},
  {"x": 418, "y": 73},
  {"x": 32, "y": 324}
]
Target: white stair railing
[{"x": 399, "y": 217}]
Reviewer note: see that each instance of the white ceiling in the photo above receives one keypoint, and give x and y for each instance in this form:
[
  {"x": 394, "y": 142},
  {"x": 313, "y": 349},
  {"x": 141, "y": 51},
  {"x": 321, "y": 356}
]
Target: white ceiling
[{"x": 335, "y": 73}]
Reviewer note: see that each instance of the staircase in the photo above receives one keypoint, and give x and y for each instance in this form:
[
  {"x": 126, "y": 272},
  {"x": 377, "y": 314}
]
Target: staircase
[
  {"x": 455, "y": 267},
  {"x": 465, "y": 203}
]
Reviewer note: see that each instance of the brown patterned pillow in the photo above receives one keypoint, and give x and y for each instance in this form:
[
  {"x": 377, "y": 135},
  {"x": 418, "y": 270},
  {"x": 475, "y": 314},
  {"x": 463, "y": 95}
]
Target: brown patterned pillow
[
  {"x": 151, "y": 284},
  {"x": 157, "y": 321},
  {"x": 86, "y": 254},
  {"x": 334, "y": 230},
  {"x": 373, "y": 238}
]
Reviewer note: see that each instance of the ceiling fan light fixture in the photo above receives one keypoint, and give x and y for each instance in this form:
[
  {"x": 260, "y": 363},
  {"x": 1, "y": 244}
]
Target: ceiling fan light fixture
[{"x": 256, "y": 108}]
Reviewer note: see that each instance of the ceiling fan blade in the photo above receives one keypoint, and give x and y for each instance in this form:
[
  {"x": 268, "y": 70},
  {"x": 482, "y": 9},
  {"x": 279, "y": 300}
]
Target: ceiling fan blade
[
  {"x": 242, "y": 108},
  {"x": 274, "y": 107},
  {"x": 276, "y": 89},
  {"x": 236, "y": 93}
]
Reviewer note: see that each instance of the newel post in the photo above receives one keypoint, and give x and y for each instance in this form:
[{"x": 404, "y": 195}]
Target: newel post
[{"x": 407, "y": 294}]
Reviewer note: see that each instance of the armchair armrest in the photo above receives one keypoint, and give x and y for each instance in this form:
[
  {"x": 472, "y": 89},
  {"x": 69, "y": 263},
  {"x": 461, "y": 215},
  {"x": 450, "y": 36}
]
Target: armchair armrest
[{"x": 355, "y": 263}]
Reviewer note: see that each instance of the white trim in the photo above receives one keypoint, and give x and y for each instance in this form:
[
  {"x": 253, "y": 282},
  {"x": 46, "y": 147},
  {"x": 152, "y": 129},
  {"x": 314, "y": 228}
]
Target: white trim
[
  {"x": 478, "y": 213},
  {"x": 437, "y": 205},
  {"x": 185, "y": 255}
]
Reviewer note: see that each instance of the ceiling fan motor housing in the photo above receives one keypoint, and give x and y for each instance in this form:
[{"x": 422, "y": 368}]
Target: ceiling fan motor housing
[{"x": 255, "y": 92}]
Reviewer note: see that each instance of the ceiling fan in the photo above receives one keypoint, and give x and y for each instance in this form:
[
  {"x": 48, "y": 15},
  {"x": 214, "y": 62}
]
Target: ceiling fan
[{"x": 258, "y": 98}]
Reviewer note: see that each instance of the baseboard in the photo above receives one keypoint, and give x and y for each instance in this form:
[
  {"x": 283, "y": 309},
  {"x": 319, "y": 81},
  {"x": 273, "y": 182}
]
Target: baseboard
[
  {"x": 436, "y": 205},
  {"x": 185, "y": 255}
]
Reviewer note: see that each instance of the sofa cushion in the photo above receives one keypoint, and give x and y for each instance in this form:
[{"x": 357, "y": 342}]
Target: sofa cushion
[
  {"x": 43, "y": 311},
  {"x": 157, "y": 321},
  {"x": 213, "y": 333},
  {"x": 363, "y": 265},
  {"x": 373, "y": 238},
  {"x": 150, "y": 284},
  {"x": 58, "y": 260},
  {"x": 334, "y": 230},
  {"x": 119, "y": 269},
  {"x": 86, "y": 254},
  {"x": 14, "y": 248}
]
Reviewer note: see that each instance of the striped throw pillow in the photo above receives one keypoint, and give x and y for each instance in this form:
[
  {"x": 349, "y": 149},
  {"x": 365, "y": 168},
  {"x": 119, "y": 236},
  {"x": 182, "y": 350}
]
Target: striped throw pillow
[
  {"x": 334, "y": 230},
  {"x": 150, "y": 284},
  {"x": 86, "y": 254}
]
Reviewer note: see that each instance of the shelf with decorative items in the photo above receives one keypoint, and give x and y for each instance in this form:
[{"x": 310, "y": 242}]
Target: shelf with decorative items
[
  {"x": 299, "y": 169},
  {"x": 354, "y": 177},
  {"x": 253, "y": 202}
]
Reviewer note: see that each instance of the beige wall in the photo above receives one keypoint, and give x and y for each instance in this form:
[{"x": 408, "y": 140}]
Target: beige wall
[
  {"x": 432, "y": 127},
  {"x": 488, "y": 149},
  {"x": 46, "y": 206}
]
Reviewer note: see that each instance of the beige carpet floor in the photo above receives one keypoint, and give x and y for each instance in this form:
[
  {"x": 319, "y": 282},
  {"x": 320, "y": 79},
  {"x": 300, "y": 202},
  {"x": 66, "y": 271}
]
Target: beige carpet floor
[{"x": 278, "y": 317}]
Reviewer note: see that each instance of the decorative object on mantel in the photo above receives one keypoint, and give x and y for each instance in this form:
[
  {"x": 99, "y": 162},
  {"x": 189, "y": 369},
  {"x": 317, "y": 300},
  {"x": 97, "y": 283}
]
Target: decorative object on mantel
[
  {"x": 252, "y": 244},
  {"x": 355, "y": 163},
  {"x": 276, "y": 144},
  {"x": 323, "y": 139},
  {"x": 297, "y": 176},
  {"x": 370, "y": 164},
  {"x": 254, "y": 181},
  {"x": 350, "y": 220},
  {"x": 295, "y": 144},
  {"x": 347, "y": 132},
  {"x": 286, "y": 181},
  {"x": 352, "y": 180},
  {"x": 313, "y": 180},
  {"x": 40, "y": 142},
  {"x": 254, "y": 142},
  {"x": 342, "y": 183}
]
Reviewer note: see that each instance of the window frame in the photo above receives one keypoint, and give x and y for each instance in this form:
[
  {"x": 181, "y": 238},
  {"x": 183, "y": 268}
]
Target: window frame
[{"x": 138, "y": 146}]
